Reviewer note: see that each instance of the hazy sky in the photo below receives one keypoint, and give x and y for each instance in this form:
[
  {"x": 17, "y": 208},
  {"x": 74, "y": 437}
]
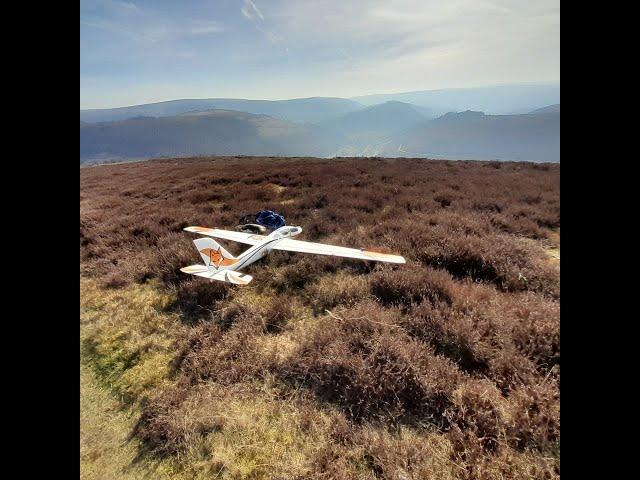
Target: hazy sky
[{"x": 144, "y": 51}]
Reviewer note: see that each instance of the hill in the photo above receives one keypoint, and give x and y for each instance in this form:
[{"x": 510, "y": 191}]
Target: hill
[
  {"x": 386, "y": 117},
  {"x": 446, "y": 367},
  {"x": 367, "y": 132},
  {"x": 550, "y": 109},
  {"x": 301, "y": 110},
  {"x": 474, "y": 135},
  {"x": 220, "y": 132}
]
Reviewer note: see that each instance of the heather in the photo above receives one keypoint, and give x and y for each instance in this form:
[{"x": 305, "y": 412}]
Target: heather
[{"x": 446, "y": 367}]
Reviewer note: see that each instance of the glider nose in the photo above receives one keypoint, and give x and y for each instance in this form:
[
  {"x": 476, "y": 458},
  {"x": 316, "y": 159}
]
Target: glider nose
[{"x": 298, "y": 231}]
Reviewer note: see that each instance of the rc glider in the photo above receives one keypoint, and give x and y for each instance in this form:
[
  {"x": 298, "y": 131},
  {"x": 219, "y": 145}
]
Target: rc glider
[{"x": 220, "y": 265}]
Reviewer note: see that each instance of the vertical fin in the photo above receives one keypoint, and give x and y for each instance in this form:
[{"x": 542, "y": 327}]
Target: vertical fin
[{"x": 213, "y": 254}]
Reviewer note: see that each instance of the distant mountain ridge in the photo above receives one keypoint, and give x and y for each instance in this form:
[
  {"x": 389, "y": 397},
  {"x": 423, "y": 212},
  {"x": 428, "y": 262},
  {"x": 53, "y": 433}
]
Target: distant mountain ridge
[
  {"x": 550, "y": 109},
  {"x": 500, "y": 99},
  {"x": 299, "y": 110},
  {"x": 321, "y": 126}
]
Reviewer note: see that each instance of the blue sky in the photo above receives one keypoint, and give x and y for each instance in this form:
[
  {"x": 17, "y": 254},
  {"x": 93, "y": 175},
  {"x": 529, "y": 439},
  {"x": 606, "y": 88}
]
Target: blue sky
[{"x": 135, "y": 52}]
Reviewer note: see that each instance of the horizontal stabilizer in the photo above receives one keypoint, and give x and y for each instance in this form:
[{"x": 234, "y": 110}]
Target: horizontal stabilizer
[
  {"x": 237, "y": 278},
  {"x": 227, "y": 276},
  {"x": 196, "y": 269}
]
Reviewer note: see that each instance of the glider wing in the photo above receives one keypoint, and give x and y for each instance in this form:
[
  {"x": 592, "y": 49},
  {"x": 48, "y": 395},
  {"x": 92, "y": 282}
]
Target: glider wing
[
  {"x": 324, "y": 249},
  {"x": 248, "y": 238}
]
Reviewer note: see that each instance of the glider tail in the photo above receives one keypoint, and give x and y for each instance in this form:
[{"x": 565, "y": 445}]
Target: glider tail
[
  {"x": 222, "y": 275},
  {"x": 213, "y": 254}
]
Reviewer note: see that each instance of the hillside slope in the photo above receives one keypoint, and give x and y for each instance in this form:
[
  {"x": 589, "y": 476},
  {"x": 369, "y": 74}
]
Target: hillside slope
[
  {"x": 220, "y": 132},
  {"x": 326, "y": 368},
  {"x": 390, "y": 129},
  {"x": 474, "y": 135},
  {"x": 387, "y": 117}
]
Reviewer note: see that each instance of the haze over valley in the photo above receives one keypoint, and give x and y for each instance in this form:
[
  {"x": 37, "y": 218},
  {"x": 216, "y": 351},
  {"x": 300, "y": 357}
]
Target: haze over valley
[{"x": 515, "y": 122}]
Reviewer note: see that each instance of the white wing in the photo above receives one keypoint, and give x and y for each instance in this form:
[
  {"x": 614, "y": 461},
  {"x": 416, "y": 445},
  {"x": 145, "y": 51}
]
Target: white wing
[
  {"x": 324, "y": 249},
  {"x": 248, "y": 238}
]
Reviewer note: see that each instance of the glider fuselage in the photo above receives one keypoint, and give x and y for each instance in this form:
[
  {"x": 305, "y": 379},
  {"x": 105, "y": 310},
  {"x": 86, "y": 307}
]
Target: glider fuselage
[{"x": 261, "y": 249}]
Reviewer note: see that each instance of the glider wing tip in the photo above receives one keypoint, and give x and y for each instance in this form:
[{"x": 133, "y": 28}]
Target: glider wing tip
[
  {"x": 196, "y": 229},
  {"x": 238, "y": 278},
  {"x": 193, "y": 269},
  {"x": 384, "y": 257}
]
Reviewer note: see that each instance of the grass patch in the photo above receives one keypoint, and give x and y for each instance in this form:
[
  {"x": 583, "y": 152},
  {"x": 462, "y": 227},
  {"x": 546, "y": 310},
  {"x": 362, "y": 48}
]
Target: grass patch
[
  {"x": 106, "y": 447},
  {"x": 128, "y": 337}
]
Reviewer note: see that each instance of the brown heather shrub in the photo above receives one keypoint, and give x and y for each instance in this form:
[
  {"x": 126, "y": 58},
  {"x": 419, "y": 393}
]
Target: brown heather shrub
[
  {"x": 277, "y": 315},
  {"x": 509, "y": 369},
  {"x": 296, "y": 276},
  {"x": 413, "y": 453},
  {"x": 225, "y": 316},
  {"x": 473, "y": 462},
  {"x": 157, "y": 428},
  {"x": 519, "y": 226},
  {"x": 535, "y": 418},
  {"x": 171, "y": 422},
  {"x": 201, "y": 337},
  {"x": 357, "y": 361},
  {"x": 509, "y": 264},
  {"x": 341, "y": 288},
  {"x": 446, "y": 367},
  {"x": 114, "y": 280},
  {"x": 401, "y": 453},
  {"x": 195, "y": 298},
  {"x": 224, "y": 357},
  {"x": 537, "y": 333},
  {"x": 457, "y": 337},
  {"x": 480, "y": 412},
  {"x": 411, "y": 285},
  {"x": 164, "y": 196},
  {"x": 511, "y": 338}
]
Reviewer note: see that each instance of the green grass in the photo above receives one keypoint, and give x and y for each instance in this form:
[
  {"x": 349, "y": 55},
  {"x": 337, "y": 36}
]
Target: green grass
[
  {"x": 127, "y": 337},
  {"x": 106, "y": 449}
]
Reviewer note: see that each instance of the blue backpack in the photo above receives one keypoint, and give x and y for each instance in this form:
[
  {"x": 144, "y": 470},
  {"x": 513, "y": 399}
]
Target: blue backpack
[{"x": 270, "y": 219}]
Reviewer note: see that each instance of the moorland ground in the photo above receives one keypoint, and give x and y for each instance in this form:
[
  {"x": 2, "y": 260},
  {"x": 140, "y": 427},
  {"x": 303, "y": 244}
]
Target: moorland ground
[{"x": 446, "y": 367}]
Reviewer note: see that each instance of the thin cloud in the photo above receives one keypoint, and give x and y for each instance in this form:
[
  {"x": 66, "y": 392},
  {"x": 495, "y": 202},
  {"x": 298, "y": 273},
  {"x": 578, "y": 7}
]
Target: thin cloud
[
  {"x": 145, "y": 24},
  {"x": 314, "y": 47},
  {"x": 251, "y": 11},
  {"x": 205, "y": 28}
]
